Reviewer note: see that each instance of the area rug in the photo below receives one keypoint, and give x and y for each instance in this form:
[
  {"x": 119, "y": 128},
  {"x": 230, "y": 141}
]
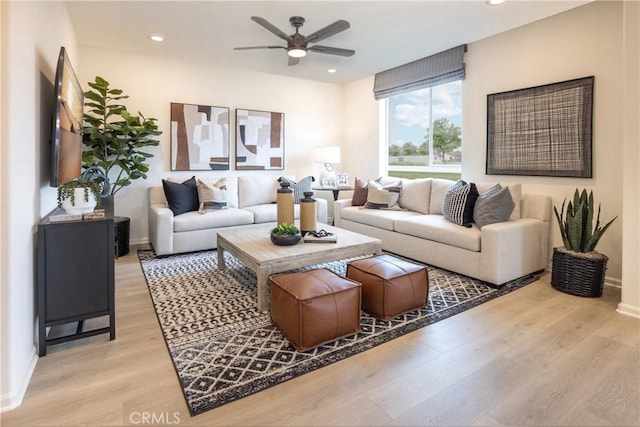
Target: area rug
[{"x": 224, "y": 349}]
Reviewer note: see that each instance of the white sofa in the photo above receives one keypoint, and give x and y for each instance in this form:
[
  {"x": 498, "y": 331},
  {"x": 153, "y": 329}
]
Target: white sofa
[
  {"x": 251, "y": 201},
  {"x": 495, "y": 253}
]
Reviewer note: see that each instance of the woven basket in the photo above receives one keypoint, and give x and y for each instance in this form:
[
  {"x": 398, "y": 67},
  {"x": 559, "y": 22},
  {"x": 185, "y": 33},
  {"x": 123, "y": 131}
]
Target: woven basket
[
  {"x": 578, "y": 273},
  {"x": 122, "y": 227}
]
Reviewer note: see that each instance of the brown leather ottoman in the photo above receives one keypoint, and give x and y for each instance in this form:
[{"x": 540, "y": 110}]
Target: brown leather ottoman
[
  {"x": 314, "y": 307},
  {"x": 390, "y": 286}
]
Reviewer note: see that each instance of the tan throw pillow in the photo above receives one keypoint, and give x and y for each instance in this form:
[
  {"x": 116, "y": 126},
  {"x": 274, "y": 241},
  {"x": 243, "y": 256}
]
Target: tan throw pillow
[
  {"x": 360, "y": 192},
  {"x": 380, "y": 197},
  {"x": 212, "y": 197},
  {"x": 416, "y": 195}
]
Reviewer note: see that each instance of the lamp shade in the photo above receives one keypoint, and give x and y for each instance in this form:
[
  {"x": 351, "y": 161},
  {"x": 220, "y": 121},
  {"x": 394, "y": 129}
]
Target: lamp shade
[{"x": 329, "y": 154}]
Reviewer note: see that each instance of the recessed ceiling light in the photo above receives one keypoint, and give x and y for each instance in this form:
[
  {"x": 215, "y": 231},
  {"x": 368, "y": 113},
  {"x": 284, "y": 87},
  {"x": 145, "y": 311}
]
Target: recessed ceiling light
[
  {"x": 495, "y": 2},
  {"x": 157, "y": 37},
  {"x": 331, "y": 70}
]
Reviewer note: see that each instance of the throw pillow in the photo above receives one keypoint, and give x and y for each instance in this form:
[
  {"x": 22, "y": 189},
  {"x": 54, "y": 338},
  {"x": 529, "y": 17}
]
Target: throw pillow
[
  {"x": 360, "y": 192},
  {"x": 415, "y": 195},
  {"x": 379, "y": 197},
  {"x": 181, "y": 197},
  {"x": 492, "y": 206},
  {"x": 299, "y": 188},
  {"x": 212, "y": 197},
  {"x": 458, "y": 203}
]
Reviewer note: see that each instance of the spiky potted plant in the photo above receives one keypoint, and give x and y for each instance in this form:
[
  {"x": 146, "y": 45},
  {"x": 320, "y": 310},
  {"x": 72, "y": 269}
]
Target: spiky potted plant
[
  {"x": 285, "y": 234},
  {"x": 577, "y": 268}
]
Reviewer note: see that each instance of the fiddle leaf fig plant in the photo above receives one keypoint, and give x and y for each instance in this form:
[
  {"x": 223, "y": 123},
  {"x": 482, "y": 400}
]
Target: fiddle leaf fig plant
[
  {"x": 114, "y": 139},
  {"x": 576, "y": 224}
]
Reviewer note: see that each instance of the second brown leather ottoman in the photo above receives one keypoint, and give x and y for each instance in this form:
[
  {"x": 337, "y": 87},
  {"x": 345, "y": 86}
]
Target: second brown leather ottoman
[
  {"x": 314, "y": 307},
  {"x": 390, "y": 286}
]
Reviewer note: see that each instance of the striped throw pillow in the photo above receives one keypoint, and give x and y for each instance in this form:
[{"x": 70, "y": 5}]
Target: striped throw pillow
[{"x": 458, "y": 203}]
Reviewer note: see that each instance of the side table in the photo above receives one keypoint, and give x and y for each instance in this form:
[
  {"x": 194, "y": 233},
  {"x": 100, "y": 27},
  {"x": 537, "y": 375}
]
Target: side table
[{"x": 336, "y": 190}]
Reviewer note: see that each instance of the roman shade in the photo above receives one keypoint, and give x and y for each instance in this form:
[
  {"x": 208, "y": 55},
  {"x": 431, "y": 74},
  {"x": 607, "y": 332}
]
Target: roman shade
[{"x": 443, "y": 67}]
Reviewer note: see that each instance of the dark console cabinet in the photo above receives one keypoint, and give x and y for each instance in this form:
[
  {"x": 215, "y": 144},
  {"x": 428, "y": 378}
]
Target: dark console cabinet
[{"x": 75, "y": 276}]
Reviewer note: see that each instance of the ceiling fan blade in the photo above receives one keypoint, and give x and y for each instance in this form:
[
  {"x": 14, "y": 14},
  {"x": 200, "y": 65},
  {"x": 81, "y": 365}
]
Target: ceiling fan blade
[
  {"x": 259, "y": 47},
  {"x": 328, "y": 31},
  {"x": 269, "y": 26},
  {"x": 293, "y": 61},
  {"x": 332, "y": 50}
]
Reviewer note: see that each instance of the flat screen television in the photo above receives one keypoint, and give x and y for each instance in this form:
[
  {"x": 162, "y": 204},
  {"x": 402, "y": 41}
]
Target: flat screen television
[{"x": 66, "y": 139}]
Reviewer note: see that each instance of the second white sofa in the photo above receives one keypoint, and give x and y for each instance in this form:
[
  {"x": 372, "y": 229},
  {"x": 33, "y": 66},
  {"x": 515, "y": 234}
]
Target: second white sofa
[
  {"x": 251, "y": 200},
  {"x": 495, "y": 253}
]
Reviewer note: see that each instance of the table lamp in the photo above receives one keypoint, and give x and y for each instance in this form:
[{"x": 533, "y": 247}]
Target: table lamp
[{"x": 328, "y": 156}]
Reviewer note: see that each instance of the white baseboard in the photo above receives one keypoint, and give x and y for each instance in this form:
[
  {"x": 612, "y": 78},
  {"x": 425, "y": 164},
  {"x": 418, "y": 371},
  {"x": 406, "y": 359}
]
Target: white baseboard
[
  {"x": 629, "y": 310},
  {"x": 12, "y": 399},
  {"x": 141, "y": 241}
]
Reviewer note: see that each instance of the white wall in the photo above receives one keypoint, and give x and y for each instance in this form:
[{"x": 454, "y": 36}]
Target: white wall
[
  {"x": 558, "y": 48},
  {"x": 630, "y": 303},
  {"x": 32, "y": 34},
  {"x": 313, "y": 112},
  {"x": 561, "y": 47}
]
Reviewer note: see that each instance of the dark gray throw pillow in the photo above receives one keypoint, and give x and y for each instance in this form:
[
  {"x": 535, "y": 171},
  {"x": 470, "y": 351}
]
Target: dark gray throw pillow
[
  {"x": 458, "y": 203},
  {"x": 494, "y": 205},
  {"x": 181, "y": 197}
]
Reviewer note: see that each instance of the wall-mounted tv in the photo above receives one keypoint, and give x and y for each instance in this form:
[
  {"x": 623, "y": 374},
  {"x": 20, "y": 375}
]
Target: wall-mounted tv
[{"x": 66, "y": 139}]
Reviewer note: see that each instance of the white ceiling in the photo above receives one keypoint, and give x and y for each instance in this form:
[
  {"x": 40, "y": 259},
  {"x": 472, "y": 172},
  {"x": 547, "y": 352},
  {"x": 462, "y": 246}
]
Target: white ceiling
[{"x": 384, "y": 34}]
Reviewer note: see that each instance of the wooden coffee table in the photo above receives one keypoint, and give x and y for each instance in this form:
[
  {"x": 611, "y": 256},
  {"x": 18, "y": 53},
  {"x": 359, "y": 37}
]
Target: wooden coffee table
[{"x": 252, "y": 246}]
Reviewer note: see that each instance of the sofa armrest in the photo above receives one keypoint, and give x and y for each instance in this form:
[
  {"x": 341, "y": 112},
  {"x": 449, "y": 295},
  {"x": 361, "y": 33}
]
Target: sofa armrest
[
  {"x": 161, "y": 229},
  {"x": 512, "y": 249},
  {"x": 338, "y": 205}
]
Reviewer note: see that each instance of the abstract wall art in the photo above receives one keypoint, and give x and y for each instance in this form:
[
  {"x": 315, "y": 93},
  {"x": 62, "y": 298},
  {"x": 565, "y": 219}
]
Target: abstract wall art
[
  {"x": 543, "y": 130},
  {"x": 259, "y": 140},
  {"x": 199, "y": 137}
]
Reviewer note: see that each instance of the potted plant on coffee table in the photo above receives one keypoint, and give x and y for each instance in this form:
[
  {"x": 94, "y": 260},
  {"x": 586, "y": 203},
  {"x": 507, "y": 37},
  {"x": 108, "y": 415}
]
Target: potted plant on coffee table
[
  {"x": 285, "y": 234},
  {"x": 115, "y": 141},
  {"x": 577, "y": 268}
]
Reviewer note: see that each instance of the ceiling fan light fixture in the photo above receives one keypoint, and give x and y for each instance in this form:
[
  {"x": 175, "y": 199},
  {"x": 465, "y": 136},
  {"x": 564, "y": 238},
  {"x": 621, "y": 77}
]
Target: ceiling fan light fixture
[{"x": 297, "y": 52}]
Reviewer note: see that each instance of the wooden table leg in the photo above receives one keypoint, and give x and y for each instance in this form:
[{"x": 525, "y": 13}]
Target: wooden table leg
[
  {"x": 262, "y": 274},
  {"x": 221, "y": 263}
]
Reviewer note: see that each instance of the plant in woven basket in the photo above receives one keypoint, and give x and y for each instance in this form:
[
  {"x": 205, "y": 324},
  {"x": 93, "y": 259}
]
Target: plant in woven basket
[
  {"x": 576, "y": 223},
  {"x": 577, "y": 268}
]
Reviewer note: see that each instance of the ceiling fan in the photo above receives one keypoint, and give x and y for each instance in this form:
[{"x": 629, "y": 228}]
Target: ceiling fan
[{"x": 297, "y": 44}]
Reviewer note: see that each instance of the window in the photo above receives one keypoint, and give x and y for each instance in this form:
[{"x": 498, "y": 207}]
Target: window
[{"x": 413, "y": 149}]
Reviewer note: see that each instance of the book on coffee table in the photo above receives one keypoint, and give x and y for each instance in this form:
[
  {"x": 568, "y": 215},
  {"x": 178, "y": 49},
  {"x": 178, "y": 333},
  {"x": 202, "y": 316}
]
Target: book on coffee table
[{"x": 329, "y": 238}]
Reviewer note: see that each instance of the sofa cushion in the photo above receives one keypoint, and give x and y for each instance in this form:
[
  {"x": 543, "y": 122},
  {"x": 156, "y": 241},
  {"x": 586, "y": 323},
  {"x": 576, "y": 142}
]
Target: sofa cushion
[
  {"x": 492, "y": 206},
  {"x": 269, "y": 212},
  {"x": 439, "y": 188},
  {"x": 375, "y": 217},
  {"x": 181, "y": 197},
  {"x": 256, "y": 190},
  {"x": 459, "y": 202},
  {"x": 382, "y": 198},
  {"x": 438, "y": 229},
  {"x": 415, "y": 194},
  {"x": 212, "y": 197},
  {"x": 360, "y": 193},
  {"x": 192, "y": 221}
]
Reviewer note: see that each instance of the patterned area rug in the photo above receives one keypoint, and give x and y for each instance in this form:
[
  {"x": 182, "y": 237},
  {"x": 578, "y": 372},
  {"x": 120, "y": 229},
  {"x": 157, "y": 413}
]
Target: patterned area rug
[{"x": 223, "y": 349}]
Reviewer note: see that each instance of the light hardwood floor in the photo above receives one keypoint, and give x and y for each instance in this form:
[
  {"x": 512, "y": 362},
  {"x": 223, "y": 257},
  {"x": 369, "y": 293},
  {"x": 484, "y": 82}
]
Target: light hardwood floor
[{"x": 534, "y": 357}]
